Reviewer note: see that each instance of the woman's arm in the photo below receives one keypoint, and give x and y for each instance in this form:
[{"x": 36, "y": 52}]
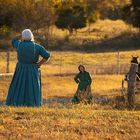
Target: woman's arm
[
  {"x": 45, "y": 54},
  {"x": 41, "y": 62},
  {"x": 18, "y": 37},
  {"x": 16, "y": 41}
]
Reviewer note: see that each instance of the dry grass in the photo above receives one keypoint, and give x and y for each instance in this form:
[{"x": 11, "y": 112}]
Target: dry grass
[
  {"x": 64, "y": 86},
  {"x": 69, "y": 123},
  {"x": 99, "y": 30},
  {"x": 104, "y": 29},
  {"x": 59, "y": 119}
]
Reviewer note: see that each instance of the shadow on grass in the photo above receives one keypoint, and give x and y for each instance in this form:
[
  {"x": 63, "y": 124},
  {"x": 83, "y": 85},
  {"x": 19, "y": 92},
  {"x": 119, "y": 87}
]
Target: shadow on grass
[
  {"x": 2, "y": 103},
  {"x": 97, "y": 99},
  {"x": 117, "y": 102},
  {"x": 57, "y": 100}
]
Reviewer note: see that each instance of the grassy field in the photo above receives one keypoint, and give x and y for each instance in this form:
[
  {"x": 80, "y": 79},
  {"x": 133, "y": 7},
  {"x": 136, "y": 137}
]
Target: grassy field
[
  {"x": 64, "y": 86},
  {"x": 59, "y": 119},
  {"x": 71, "y": 122},
  {"x": 106, "y": 119}
]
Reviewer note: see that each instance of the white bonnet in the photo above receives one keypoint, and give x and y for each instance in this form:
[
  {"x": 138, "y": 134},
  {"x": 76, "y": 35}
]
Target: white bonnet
[{"x": 27, "y": 35}]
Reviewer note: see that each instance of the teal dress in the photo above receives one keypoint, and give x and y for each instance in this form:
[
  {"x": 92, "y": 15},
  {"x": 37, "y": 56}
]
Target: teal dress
[
  {"x": 25, "y": 88},
  {"x": 83, "y": 80}
]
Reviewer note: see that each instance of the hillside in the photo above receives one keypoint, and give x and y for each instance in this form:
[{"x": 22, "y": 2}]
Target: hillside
[{"x": 104, "y": 36}]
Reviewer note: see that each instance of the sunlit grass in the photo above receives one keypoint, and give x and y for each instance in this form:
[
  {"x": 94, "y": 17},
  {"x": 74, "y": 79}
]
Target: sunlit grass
[
  {"x": 99, "y": 30},
  {"x": 63, "y": 120},
  {"x": 69, "y": 122},
  {"x": 64, "y": 86},
  {"x": 59, "y": 119}
]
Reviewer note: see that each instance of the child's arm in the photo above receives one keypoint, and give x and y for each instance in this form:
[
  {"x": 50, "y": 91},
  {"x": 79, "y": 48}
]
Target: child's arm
[
  {"x": 76, "y": 78},
  {"x": 89, "y": 79}
]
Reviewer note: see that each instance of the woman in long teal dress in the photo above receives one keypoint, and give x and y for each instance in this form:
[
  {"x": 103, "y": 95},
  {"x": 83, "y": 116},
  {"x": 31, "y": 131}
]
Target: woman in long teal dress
[
  {"x": 84, "y": 80},
  {"x": 25, "y": 88}
]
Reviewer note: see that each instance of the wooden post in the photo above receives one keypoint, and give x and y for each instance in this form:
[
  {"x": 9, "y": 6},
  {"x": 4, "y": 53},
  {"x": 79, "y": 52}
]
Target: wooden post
[
  {"x": 60, "y": 65},
  {"x": 132, "y": 83},
  {"x": 8, "y": 58},
  {"x": 118, "y": 62}
]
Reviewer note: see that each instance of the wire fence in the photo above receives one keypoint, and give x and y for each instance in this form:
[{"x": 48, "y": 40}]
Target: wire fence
[{"x": 67, "y": 64}]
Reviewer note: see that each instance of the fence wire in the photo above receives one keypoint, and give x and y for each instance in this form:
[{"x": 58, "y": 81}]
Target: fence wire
[{"x": 67, "y": 63}]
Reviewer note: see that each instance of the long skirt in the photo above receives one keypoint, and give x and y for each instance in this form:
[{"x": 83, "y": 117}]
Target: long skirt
[
  {"x": 84, "y": 96},
  {"x": 25, "y": 88}
]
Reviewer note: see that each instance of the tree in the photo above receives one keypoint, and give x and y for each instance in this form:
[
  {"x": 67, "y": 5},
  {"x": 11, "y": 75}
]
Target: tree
[
  {"x": 71, "y": 18},
  {"x": 111, "y": 9},
  {"x": 31, "y": 14},
  {"x": 93, "y": 18},
  {"x": 20, "y": 14},
  {"x": 131, "y": 13},
  {"x": 92, "y": 12},
  {"x": 6, "y": 12}
]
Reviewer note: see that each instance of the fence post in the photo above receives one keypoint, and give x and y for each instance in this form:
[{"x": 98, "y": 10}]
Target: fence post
[
  {"x": 60, "y": 65},
  {"x": 118, "y": 62},
  {"x": 132, "y": 84},
  {"x": 8, "y": 59}
]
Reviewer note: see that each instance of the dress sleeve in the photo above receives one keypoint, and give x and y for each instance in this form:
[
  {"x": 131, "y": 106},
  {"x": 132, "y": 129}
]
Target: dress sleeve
[
  {"x": 89, "y": 79},
  {"x": 15, "y": 43},
  {"x": 76, "y": 78},
  {"x": 44, "y": 53}
]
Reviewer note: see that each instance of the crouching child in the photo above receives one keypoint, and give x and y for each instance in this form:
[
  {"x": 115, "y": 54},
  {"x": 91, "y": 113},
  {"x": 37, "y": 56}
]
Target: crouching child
[{"x": 84, "y": 80}]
